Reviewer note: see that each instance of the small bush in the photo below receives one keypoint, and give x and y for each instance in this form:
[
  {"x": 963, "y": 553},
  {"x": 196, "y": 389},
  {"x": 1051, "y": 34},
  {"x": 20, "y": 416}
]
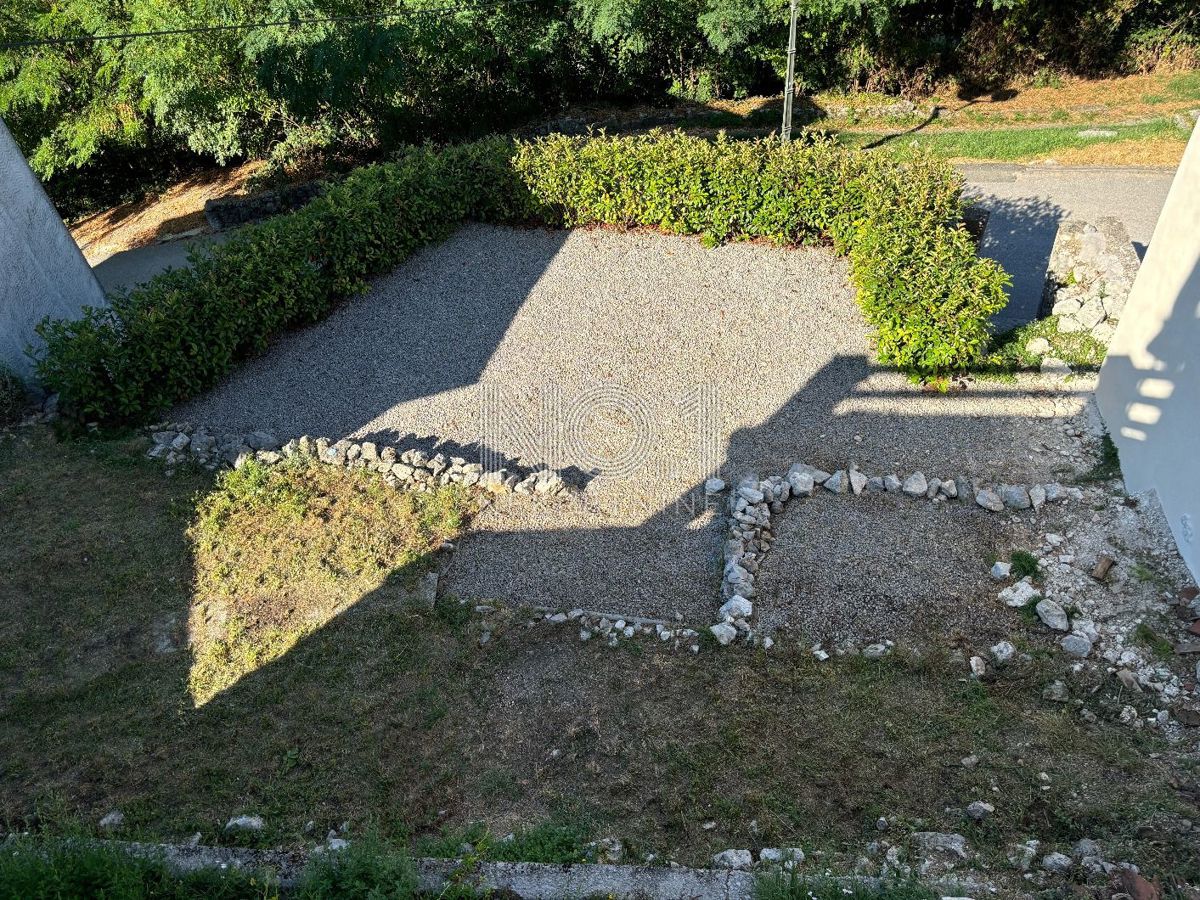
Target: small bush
[
  {"x": 921, "y": 286},
  {"x": 30, "y": 870},
  {"x": 12, "y": 397},
  {"x": 1025, "y": 564}
]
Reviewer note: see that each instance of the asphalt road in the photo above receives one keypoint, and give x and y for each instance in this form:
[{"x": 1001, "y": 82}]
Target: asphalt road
[{"x": 1027, "y": 203}]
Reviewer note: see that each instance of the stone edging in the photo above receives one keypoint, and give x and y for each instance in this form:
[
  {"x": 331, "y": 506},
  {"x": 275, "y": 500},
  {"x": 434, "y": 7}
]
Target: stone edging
[
  {"x": 410, "y": 467},
  {"x": 753, "y": 501}
]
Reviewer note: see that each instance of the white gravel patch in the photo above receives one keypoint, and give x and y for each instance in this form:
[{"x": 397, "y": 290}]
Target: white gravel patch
[{"x": 741, "y": 358}]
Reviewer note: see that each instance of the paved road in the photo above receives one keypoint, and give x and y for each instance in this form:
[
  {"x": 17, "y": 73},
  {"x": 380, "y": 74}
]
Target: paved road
[
  {"x": 1027, "y": 204},
  {"x": 132, "y": 267}
]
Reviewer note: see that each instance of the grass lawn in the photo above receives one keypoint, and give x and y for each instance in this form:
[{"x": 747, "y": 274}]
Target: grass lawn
[{"x": 117, "y": 582}]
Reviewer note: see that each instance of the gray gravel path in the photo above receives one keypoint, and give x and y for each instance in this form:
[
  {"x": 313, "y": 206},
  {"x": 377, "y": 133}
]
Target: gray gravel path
[{"x": 743, "y": 358}]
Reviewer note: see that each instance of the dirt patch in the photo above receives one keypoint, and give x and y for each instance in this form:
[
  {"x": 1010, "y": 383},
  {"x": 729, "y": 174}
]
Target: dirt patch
[{"x": 176, "y": 211}]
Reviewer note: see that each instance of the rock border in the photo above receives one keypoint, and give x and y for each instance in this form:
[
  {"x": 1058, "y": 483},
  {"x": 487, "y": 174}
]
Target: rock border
[
  {"x": 402, "y": 467},
  {"x": 754, "y": 500}
]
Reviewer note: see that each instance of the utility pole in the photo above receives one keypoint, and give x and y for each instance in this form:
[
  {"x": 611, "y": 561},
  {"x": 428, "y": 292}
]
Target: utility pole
[{"x": 789, "y": 84}]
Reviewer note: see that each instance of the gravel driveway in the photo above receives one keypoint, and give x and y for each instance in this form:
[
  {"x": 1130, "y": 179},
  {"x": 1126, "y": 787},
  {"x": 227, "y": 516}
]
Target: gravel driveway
[{"x": 646, "y": 356}]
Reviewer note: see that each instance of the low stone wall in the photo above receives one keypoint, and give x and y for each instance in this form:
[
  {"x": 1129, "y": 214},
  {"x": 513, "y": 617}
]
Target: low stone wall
[
  {"x": 1090, "y": 275},
  {"x": 229, "y": 212},
  {"x": 410, "y": 467}
]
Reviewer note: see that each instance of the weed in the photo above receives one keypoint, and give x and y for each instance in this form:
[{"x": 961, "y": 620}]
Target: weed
[
  {"x": 38, "y": 868},
  {"x": 1008, "y": 354},
  {"x": 1107, "y": 467},
  {"x": 365, "y": 869},
  {"x": 1025, "y": 564},
  {"x": 1162, "y": 648},
  {"x": 12, "y": 396}
]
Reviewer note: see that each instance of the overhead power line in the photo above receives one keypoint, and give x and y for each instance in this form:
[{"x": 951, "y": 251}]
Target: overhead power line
[{"x": 280, "y": 23}]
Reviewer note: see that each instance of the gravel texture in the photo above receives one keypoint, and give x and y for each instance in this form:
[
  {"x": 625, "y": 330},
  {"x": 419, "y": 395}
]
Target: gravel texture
[
  {"x": 743, "y": 358},
  {"x": 884, "y": 566}
]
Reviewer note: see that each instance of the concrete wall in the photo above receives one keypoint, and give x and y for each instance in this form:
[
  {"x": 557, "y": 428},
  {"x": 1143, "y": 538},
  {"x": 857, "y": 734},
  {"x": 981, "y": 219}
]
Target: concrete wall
[
  {"x": 42, "y": 272},
  {"x": 1149, "y": 390}
]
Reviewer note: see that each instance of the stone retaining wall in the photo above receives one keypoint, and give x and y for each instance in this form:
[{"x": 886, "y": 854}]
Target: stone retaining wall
[
  {"x": 1090, "y": 275},
  {"x": 229, "y": 212}
]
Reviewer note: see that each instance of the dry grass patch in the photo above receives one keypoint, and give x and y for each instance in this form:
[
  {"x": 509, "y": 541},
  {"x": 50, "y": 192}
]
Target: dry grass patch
[
  {"x": 279, "y": 551},
  {"x": 178, "y": 209},
  {"x": 1158, "y": 152}
]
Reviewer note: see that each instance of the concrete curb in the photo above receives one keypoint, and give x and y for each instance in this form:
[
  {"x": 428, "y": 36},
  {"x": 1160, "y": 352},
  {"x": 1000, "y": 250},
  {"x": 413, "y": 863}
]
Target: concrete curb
[{"x": 528, "y": 881}]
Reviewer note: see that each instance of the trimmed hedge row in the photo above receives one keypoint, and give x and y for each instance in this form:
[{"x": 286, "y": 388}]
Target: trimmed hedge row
[{"x": 920, "y": 284}]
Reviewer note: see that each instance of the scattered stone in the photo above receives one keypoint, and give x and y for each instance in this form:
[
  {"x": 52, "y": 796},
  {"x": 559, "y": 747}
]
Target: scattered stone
[
  {"x": 733, "y": 859},
  {"x": 1019, "y": 594},
  {"x": 1003, "y": 653},
  {"x": 1015, "y": 496},
  {"x": 1037, "y": 496},
  {"x": 1038, "y": 346},
  {"x": 801, "y": 484},
  {"x": 714, "y": 486},
  {"x": 875, "y": 651},
  {"x": 978, "y": 666},
  {"x": 1001, "y": 571},
  {"x": 245, "y": 823},
  {"x": 858, "y": 481},
  {"x": 1058, "y": 863},
  {"x": 837, "y": 482},
  {"x": 1056, "y": 692},
  {"x": 881, "y": 824},
  {"x": 891, "y": 484},
  {"x": 608, "y": 850},
  {"x": 1052, "y": 614},
  {"x": 989, "y": 500},
  {"x": 112, "y": 820},
  {"x": 1021, "y": 856},
  {"x": 939, "y": 851},
  {"x": 978, "y": 811},
  {"x": 737, "y": 607},
  {"x": 264, "y": 440},
  {"x": 915, "y": 485},
  {"x": 1076, "y": 645},
  {"x": 785, "y": 857},
  {"x": 724, "y": 633}
]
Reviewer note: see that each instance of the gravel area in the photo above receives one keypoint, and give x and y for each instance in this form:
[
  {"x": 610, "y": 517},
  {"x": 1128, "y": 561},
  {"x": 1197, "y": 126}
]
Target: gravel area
[
  {"x": 645, "y": 354},
  {"x": 884, "y": 566}
]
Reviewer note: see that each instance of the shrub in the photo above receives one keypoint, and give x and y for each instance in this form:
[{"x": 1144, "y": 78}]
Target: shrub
[
  {"x": 920, "y": 284},
  {"x": 31, "y": 868},
  {"x": 12, "y": 396}
]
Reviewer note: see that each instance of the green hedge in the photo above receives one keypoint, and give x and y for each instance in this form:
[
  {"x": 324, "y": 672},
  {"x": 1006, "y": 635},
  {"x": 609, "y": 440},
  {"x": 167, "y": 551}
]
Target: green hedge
[{"x": 919, "y": 281}]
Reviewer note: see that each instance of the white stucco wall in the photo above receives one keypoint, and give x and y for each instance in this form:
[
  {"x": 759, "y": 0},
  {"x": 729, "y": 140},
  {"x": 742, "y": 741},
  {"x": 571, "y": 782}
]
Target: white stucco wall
[
  {"x": 42, "y": 272},
  {"x": 1149, "y": 390}
]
